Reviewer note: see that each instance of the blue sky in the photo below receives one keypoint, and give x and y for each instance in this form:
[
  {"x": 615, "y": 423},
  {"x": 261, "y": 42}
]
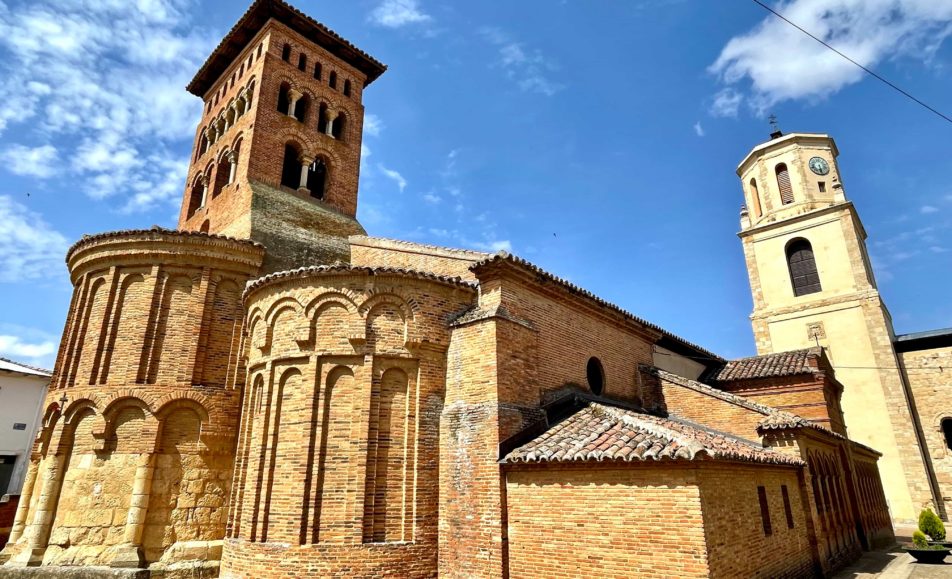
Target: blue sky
[{"x": 597, "y": 139}]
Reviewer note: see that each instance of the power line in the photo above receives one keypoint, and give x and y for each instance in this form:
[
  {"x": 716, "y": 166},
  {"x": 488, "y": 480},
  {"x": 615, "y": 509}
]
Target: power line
[
  {"x": 941, "y": 369},
  {"x": 868, "y": 71}
]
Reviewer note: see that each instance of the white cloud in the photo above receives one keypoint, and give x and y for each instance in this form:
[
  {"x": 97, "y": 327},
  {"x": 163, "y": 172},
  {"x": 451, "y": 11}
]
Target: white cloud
[
  {"x": 398, "y": 13},
  {"x": 529, "y": 70},
  {"x": 372, "y": 125},
  {"x": 781, "y": 63},
  {"x": 698, "y": 129},
  {"x": 103, "y": 81},
  {"x": 926, "y": 209},
  {"x": 29, "y": 247},
  {"x": 432, "y": 198},
  {"x": 493, "y": 245},
  {"x": 726, "y": 103},
  {"x": 15, "y": 348},
  {"x": 33, "y": 161},
  {"x": 938, "y": 249},
  {"x": 395, "y": 176}
]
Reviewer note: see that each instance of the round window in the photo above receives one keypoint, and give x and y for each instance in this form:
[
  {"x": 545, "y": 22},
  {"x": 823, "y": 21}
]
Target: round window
[{"x": 595, "y": 375}]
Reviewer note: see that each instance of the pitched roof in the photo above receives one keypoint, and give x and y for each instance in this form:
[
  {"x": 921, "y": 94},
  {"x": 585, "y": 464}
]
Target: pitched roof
[
  {"x": 792, "y": 363},
  {"x": 21, "y": 368},
  {"x": 507, "y": 258},
  {"x": 254, "y": 19},
  {"x": 601, "y": 432}
]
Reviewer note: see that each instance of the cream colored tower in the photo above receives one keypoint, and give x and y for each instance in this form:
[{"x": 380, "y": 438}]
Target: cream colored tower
[{"x": 812, "y": 284}]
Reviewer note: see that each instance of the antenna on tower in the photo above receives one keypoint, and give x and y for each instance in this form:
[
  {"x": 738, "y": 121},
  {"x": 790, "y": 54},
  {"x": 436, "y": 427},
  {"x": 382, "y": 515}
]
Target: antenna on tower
[{"x": 775, "y": 133}]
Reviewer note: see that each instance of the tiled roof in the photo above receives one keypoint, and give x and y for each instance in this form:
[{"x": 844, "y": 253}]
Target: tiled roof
[
  {"x": 600, "y": 432},
  {"x": 792, "y": 363},
  {"x": 303, "y": 272},
  {"x": 160, "y": 230},
  {"x": 254, "y": 19},
  {"x": 506, "y": 257},
  {"x": 21, "y": 368}
]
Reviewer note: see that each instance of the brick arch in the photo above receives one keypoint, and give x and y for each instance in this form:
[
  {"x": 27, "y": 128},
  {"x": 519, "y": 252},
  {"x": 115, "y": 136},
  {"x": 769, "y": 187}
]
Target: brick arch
[
  {"x": 408, "y": 307},
  {"x": 238, "y": 139},
  {"x": 346, "y": 297},
  {"x": 122, "y": 397},
  {"x": 280, "y": 305},
  {"x": 353, "y": 323},
  {"x": 298, "y": 137},
  {"x": 187, "y": 399}
]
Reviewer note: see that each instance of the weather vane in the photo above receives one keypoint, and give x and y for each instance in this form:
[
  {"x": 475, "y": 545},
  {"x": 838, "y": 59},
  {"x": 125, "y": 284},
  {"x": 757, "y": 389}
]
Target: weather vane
[{"x": 772, "y": 119}]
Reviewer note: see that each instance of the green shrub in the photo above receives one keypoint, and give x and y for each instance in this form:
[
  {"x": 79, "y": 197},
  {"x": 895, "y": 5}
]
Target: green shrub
[
  {"x": 919, "y": 540},
  {"x": 931, "y": 524}
]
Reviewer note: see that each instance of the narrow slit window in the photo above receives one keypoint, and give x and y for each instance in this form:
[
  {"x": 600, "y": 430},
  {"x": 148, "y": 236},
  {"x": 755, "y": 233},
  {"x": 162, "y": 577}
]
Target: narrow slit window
[
  {"x": 332, "y": 80},
  {"x": 755, "y": 198},
  {"x": 317, "y": 71},
  {"x": 787, "y": 509},
  {"x": 302, "y": 62},
  {"x": 821, "y": 185},
  {"x": 286, "y": 53},
  {"x": 347, "y": 88},
  {"x": 764, "y": 511}
]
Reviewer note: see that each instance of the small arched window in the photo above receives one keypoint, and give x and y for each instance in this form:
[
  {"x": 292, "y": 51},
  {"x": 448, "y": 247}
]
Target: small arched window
[
  {"x": 222, "y": 173},
  {"x": 947, "y": 432},
  {"x": 340, "y": 124},
  {"x": 302, "y": 62},
  {"x": 595, "y": 375},
  {"x": 286, "y": 53},
  {"x": 347, "y": 87},
  {"x": 195, "y": 198},
  {"x": 260, "y": 46},
  {"x": 291, "y": 167},
  {"x": 803, "y": 272},
  {"x": 783, "y": 184},
  {"x": 332, "y": 80},
  {"x": 284, "y": 100},
  {"x": 317, "y": 71},
  {"x": 755, "y": 198}
]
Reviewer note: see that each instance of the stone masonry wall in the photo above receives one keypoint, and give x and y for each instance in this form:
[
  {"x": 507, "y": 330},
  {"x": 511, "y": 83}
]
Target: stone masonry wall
[{"x": 929, "y": 375}]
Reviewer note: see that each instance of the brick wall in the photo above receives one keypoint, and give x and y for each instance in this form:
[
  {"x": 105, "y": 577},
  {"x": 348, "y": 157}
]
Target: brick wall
[
  {"x": 816, "y": 397},
  {"x": 338, "y": 469},
  {"x": 379, "y": 252},
  {"x": 737, "y": 543}
]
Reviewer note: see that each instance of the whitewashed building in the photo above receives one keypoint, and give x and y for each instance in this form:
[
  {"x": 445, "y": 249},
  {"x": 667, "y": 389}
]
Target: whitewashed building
[{"x": 22, "y": 390}]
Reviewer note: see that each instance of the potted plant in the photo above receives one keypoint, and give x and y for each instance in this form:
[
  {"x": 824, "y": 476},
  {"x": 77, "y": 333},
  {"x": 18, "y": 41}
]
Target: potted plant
[
  {"x": 921, "y": 550},
  {"x": 931, "y": 525}
]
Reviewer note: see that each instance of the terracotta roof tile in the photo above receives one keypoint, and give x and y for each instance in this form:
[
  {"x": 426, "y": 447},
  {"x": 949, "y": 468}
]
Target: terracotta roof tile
[
  {"x": 792, "y": 363},
  {"x": 601, "y": 432},
  {"x": 155, "y": 229}
]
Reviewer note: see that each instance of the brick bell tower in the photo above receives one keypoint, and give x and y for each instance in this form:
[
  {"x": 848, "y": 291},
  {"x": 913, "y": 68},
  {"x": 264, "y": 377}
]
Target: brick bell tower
[{"x": 276, "y": 157}]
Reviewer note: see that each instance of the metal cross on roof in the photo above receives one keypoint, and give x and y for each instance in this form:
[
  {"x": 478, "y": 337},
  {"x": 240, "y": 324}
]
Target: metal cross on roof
[{"x": 772, "y": 119}]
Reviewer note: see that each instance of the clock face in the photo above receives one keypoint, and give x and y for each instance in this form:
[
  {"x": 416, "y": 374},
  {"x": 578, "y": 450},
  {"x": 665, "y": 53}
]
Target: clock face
[{"x": 819, "y": 165}]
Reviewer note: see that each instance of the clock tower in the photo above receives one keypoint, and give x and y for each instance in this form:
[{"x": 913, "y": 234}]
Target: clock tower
[{"x": 813, "y": 284}]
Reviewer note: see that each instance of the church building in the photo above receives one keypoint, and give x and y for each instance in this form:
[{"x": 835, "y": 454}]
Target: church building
[{"x": 268, "y": 391}]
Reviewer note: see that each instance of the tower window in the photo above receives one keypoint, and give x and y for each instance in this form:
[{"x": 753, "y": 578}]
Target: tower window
[
  {"x": 284, "y": 101},
  {"x": 821, "y": 185},
  {"x": 595, "y": 375},
  {"x": 260, "y": 46},
  {"x": 291, "y": 168},
  {"x": 317, "y": 178},
  {"x": 947, "y": 431},
  {"x": 317, "y": 71},
  {"x": 286, "y": 53},
  {"x": 347, "y": 88},
  {"x": 302, "y": 61},
  {"x": 340, "y": 123},
  {"x": 783, "y": 183},
  {"x": 300, "y": 108},
  {"x": 332, "y": 80},
  {"x": 322, "y": 119},
  {"x": 755, "y": 198},
  {"x": 802, "y": 265},
  {"x": 787, "y": 509}
]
